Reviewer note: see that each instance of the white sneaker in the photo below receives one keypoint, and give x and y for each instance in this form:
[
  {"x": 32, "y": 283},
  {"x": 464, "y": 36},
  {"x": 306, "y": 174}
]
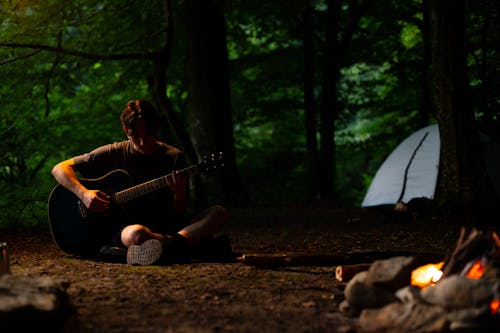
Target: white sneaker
[{"x": 148, "y": 253}]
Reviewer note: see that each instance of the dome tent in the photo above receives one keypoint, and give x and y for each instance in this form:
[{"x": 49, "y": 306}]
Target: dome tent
[{"x": 411, "y": 170}]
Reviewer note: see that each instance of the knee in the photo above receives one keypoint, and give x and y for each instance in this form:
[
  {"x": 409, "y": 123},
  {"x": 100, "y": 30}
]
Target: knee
[{"x": 133, "y": 234}]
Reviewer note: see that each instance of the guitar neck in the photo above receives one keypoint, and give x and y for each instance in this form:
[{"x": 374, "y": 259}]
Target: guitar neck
[{"x": 137, "y": 191}]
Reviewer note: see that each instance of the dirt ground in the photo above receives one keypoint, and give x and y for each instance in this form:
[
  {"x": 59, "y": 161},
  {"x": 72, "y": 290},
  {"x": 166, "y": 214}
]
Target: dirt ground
[{"x": 228, "y": 297}]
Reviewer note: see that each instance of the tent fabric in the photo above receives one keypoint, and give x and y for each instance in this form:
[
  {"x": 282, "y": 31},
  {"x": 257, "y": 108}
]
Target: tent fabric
[{"x": 411, "y": 170}]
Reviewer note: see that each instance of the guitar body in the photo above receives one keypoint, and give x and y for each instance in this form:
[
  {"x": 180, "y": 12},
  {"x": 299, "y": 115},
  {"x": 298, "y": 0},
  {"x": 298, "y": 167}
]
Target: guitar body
[{"x": 74, "y": 228}]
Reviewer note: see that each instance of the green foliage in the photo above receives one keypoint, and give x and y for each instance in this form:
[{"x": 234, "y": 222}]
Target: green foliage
[
  {"x": 484, "y": 58},
  {"x": 377, "y": 93},
  {"x": 56, "y": 105}
]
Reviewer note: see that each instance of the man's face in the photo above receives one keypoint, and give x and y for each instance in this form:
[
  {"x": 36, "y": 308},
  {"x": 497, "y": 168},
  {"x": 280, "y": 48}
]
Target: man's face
[{"x": 142, "y": 141}]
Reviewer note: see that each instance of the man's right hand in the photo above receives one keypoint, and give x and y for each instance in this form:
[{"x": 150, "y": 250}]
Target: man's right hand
[
  {"x": 65, "y": 174},
  {"x": 96, "y": 200}
]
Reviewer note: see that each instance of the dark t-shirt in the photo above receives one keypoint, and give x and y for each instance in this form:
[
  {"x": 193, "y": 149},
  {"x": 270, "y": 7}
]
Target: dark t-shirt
[{"x": 153, "y": 210}]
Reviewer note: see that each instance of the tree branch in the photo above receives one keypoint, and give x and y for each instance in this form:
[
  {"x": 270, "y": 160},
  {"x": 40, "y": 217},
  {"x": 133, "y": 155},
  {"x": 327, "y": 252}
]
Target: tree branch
[
  {"x": 86, "y": 55},
  {"x": 27, "y": 55}
]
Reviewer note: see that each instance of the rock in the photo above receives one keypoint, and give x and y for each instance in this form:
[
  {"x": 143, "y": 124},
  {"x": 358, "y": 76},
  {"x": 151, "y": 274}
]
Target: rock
[
  {"x": 409, "y": 294},
  {"x": 404, "y": 317},
  {"x": 391, "y": 274},
  {"x": 360, "y": 295},
  {"x": 348, "y": 310},
  {"x": 33, "y": 303},
  {"x": 458, "y": 292}
]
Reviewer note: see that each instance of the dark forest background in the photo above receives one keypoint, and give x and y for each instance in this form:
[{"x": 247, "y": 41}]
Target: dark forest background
[{"x": 305, "y": 98}]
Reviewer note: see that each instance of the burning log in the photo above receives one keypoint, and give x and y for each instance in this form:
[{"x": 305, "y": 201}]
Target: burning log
[
  {"x": 461, "y": 293},
  {"x": 469, "y": 248},
  {"x": 492, "y": 270}
]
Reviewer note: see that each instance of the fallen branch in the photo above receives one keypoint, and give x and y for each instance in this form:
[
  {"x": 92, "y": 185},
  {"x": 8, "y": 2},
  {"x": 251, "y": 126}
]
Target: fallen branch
[{"x": 327, "y": 259}]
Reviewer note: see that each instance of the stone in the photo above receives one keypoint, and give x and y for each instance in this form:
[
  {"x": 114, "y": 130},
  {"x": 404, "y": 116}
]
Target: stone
[
  {"x": 391, "y": 274},
  {"x": 409, "y": 294},
  {"x": 456, "y": 292},
  {"x": 33, "y": 303},
  {"x": 360, "y": 295},
  {"x": 404, "y": 317},
  {"x": 469, "y": 314}
]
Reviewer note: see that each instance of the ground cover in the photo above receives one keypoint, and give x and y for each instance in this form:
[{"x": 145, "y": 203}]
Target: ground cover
[{"x": 228, "y": 297}]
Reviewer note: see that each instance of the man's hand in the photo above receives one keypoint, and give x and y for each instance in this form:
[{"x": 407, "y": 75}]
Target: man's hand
[
  {"x": 65, "y": 174},
  {"x": 96, "y": 200},
  {"x": 177, "y": 183}
]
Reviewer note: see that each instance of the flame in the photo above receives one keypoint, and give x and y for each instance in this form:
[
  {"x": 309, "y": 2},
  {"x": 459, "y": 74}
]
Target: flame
[
  {"x": 426, "y": 275},
  {"x": 494, "y": 305},
  {"x": 476, "y": 270}
]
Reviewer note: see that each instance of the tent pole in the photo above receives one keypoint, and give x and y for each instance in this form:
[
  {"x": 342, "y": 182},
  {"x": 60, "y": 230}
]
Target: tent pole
[{"x": 403, "y": 190}]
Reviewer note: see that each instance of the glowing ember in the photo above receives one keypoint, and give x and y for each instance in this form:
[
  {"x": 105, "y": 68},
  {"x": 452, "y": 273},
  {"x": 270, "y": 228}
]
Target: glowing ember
[
  {"x": 494, "y": 305},
  {"x": 476, "y": 270},
  {"x": 426, "y": 275}
]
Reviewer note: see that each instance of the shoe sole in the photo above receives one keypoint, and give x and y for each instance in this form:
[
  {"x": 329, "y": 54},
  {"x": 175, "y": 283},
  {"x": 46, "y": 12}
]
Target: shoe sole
[{"x": 148, "y": 253}]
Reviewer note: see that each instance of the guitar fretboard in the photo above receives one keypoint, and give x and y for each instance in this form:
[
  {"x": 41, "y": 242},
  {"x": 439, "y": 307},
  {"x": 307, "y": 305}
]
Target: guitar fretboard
[{"x": 137, "y": 191}]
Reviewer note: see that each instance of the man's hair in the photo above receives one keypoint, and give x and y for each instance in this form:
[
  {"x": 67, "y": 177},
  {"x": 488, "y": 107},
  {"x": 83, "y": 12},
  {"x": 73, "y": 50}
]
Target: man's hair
[{"x": 140, "y": 109}]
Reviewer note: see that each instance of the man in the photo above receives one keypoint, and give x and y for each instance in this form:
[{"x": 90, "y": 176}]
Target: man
[{"x": 158, "y": 231}]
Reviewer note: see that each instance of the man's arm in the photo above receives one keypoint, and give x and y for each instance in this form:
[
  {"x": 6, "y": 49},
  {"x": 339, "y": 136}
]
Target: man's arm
[
  {"x": 65, "y": 174},
  {"x": 178, "y": 184}
]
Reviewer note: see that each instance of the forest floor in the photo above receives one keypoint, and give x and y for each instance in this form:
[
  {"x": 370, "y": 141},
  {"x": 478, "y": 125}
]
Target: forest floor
[{"x": 228, "y": 297}]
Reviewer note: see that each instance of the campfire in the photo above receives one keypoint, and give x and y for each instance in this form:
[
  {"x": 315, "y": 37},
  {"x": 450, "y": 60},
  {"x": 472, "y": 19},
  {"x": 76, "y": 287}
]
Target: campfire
[
  {"x": 460, "y": 293},
  {"x": 427, "y": 275}
]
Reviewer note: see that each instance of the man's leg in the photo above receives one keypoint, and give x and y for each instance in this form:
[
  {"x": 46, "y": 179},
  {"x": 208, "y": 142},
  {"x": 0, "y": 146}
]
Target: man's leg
[
  {"x": 137, "y": 234},
  {"x": 146, "y": 247},
  {"x": 207, "y": 224}
]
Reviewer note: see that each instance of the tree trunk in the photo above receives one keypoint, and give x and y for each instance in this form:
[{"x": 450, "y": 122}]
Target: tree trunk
[
  {"x": 309, "y": 104},
  {"x": 329, "y": 102},
  {"x": 158, "y": 88},
  {"x": 209, "y": 102},
  {"x": 335, "y": 50},
  {"x": 426, "y": 98},
  {"x": 463, "y": 176}
]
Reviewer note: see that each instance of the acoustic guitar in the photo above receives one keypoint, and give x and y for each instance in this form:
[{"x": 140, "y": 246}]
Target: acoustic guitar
[{"x": 79, "y": 231}]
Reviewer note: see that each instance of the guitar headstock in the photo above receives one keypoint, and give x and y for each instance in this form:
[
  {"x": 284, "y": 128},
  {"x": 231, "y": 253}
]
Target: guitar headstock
[{"x": 211, "y": 162}]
